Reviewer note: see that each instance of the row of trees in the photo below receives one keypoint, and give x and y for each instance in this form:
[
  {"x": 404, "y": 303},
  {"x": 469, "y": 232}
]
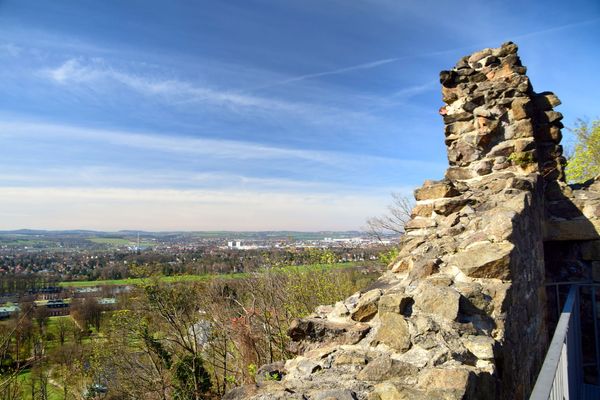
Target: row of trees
[{"x": 42, "y": 269}]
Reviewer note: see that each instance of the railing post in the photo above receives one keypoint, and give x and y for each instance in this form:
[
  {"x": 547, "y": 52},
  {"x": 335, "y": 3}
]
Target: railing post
[
  {"x": 574, "y": 362},
  {"x": 597, "y": 348},
  {"x": 561, "y": 374}
]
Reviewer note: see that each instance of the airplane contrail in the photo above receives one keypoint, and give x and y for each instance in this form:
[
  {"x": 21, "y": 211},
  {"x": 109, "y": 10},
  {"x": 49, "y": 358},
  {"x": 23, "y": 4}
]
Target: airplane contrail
[{"x": 378, "y": 63}]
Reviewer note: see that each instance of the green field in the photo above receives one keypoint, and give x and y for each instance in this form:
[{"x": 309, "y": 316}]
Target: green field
[
  {"x": 54, "y": 393},
  {"x": 118, "y": 242},
  {"x": 139, "y": 281},
  {"x": 111, "y": 241},
  {"x": 28, "y": 242},
  {"x": 194, "y": 278}
]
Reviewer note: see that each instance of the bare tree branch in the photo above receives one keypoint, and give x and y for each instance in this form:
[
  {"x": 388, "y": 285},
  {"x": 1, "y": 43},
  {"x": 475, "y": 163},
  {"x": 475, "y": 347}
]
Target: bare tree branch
[{"x": 392, "y": 222}]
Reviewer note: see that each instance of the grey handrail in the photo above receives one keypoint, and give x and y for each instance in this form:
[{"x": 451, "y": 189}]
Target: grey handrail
[{"x": 560, "y": 376}]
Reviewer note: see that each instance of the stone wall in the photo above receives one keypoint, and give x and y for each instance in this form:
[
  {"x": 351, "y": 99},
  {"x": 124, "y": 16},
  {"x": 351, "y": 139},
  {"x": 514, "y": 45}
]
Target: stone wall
[
  {"x": 461, "y": 312},
  {"x": 573, "y": 211}
]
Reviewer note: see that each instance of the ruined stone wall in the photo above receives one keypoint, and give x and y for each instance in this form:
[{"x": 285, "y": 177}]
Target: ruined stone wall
[{"x": 461, "y": 312}]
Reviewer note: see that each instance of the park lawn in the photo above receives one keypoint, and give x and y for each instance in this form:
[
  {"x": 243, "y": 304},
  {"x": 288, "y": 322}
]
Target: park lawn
[
  {"x": 52, "y": 329},
  {"x": 54, "y": 393},
  {"x": 52, "y": 326},
  {"x": 195, "y": 278},
  {"x": 52, "y": 336}
]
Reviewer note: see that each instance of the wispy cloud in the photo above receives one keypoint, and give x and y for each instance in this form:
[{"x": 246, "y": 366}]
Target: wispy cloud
[
  {"x": 338, "y": 71},
  {"x": 115, "y": 209},
  {"x": 126, "y": 177},
  {"x": 215, "y": 148},
  {"x": 402, "y": 97},
  {"x": 556, "y": 28},
  {"x": 77, "y": 71},
  {"x": 11, "y": 49},
  {"x": 415, "y": 90},
  {"x": 385, "y": 61},
  {"x": 333, "y": 110}
]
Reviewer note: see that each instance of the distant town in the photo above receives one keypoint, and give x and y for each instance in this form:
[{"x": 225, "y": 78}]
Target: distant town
[
  {"x": 56, "y": 269},
  {"x": 68, "y": 241}
]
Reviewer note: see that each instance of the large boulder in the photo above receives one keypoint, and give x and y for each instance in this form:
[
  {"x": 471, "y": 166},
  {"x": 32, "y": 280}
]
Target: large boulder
[
  {"x": 484, "y": 260},
  {"x": 393, "y": 332},
  {"x": 307, "y": 333},
  {"x": 386, "y": 368},
  {"x": 367, "y": 306},
  {"x": 439, "y": 300},
  {"x": 436, "y": 190}
]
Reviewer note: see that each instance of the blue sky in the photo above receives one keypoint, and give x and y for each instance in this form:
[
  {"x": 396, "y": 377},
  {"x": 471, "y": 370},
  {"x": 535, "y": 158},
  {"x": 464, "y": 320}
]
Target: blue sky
[{"x": 250, "y": 114}]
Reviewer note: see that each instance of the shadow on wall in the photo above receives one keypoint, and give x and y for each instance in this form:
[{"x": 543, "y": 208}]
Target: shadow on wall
[{"x": 572, "y": 254}]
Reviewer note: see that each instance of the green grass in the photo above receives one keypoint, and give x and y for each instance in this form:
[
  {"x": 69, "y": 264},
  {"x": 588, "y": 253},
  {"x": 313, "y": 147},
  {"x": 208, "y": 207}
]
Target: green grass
[
  {"x": 54, "y": 393},
  {"x": 52, "y": 330},
  {"x": 111, "y": 241},
  {"x": 28, "y": 242},
  {"x": 195, "y": 278},
  {"x": 139, "y": 281},
  {"x": 118, "y": 242},
  {"x": 318, "y": 267},
  {"x": 52, "y": 326}
]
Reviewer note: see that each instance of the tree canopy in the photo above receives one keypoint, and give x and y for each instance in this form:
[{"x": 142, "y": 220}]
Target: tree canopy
[{"x": 584, "y": 164}]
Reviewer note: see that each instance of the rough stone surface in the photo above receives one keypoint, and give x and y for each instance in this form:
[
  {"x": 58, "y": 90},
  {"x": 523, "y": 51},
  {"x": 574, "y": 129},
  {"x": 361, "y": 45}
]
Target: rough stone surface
[
  {"x": 442, "y": 301},
  {"x": 484, "y": 260},
  {"x": 436, "y": 190},
  {"x": 596, "y": 271},
  {"x": 395, "y": 303},
  {"x": 465, "y": 301},
  {"x": 385, "y": 368},
  {"x": 269, "y": 372},
  {"x": 590, "y": 250},
  {"x": 311, "y": 332},
  {"x": 367, "y": 306},
  {"x": 573, "y": 213},
  {"x": 482, "y": 347},
  {"x": 572, "y": 229},
  {"x": 394, "y": 332},
  {"x": 350, "y": 357},
  {"x": 335, "y": 394},
  {"x": 444, "y": 378}
]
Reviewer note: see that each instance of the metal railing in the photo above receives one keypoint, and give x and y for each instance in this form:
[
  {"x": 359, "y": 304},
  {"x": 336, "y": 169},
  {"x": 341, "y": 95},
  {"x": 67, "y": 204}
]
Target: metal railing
[
  {"x": 571, "y": 369},
  {"x": 561, "y": 376}
]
